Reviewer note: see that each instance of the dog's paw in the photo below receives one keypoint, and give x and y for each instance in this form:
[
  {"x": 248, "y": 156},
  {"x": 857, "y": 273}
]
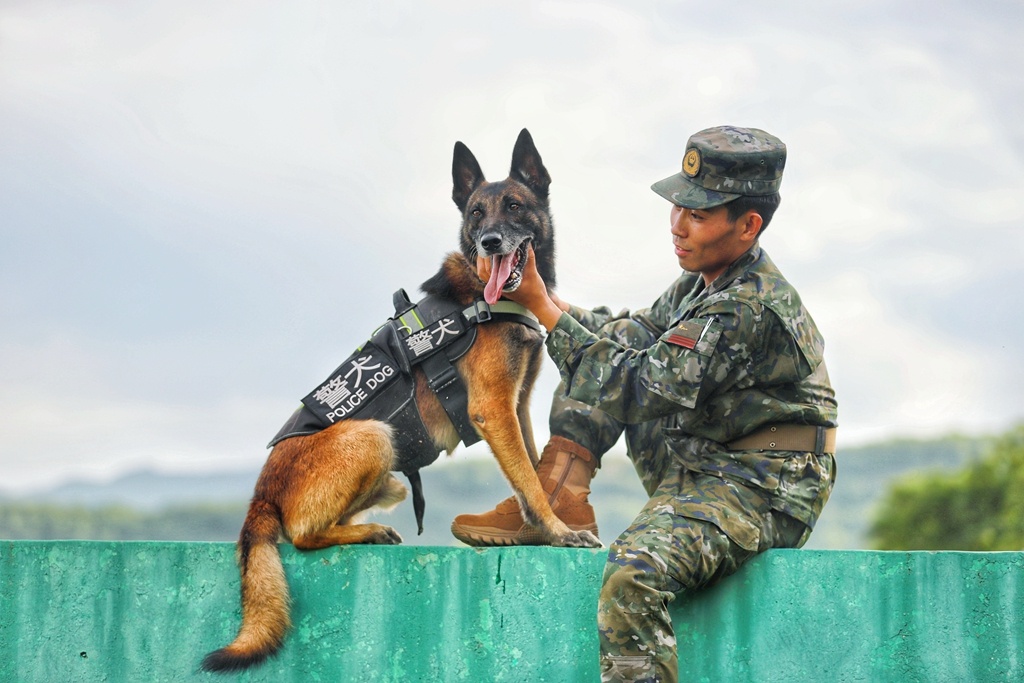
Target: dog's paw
[
  {"x": 578, "y": 539},
  {"x": 384, "y": 535}
]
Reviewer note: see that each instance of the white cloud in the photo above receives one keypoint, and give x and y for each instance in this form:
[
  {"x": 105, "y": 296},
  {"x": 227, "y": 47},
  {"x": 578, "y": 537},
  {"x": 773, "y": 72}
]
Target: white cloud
[
  {"x": 896, "y": 377},
  {"x": 298, "y": 154}
]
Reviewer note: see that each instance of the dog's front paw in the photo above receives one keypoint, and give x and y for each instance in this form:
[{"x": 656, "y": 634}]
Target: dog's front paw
[
  {"x": 578, "y": 539},
  {"x": 383, "y": 535}
]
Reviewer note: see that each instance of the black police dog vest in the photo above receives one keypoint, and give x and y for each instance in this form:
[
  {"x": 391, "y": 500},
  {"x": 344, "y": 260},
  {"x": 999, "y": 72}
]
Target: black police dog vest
[{"x": 376, "y": 382}]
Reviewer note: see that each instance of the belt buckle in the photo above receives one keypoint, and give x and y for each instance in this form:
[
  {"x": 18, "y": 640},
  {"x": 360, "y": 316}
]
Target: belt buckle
[
  {"x": 819, "y": 440},
  {"x": 483, "y": 311}
]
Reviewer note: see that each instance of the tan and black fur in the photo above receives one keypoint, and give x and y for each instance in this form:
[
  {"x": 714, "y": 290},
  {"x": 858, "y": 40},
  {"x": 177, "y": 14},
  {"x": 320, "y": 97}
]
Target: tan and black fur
[{"x": 313, "y": 488}]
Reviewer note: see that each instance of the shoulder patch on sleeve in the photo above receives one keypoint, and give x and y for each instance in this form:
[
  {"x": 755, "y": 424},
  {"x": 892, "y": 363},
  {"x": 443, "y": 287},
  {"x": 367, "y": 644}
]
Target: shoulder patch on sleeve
[
  {"x": 687, "y": 334},
  {"x": 678, "y": 375}
]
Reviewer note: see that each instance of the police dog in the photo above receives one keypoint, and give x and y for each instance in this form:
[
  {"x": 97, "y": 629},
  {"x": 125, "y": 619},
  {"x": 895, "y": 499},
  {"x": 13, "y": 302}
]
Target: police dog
[{"x": 313, "y": 488}]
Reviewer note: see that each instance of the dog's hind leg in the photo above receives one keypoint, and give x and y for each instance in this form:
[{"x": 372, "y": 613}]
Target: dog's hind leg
[
  {"x": 344, "y": 472},
  {"x": 352, "y": 534}
]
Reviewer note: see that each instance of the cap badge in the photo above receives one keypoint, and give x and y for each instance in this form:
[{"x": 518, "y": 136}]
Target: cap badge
[{"x": 691, "y": 162}]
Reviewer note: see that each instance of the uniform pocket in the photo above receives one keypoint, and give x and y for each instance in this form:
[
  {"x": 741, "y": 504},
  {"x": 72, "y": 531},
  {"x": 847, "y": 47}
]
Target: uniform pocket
[
  {"x": 806, "y": 482},
  {"x": 677, "y": 364},
  {"x": 734, "y": 509},
  {"x": 740, "y": 530}
]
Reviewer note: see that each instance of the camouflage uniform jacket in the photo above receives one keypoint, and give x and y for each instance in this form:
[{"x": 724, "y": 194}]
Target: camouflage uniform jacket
[{"x": 730, "y": 358}]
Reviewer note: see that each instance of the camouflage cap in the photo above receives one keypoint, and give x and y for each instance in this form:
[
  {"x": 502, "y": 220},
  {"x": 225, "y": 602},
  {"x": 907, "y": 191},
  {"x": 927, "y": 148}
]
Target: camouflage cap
[{"x": 724, "y": 163}]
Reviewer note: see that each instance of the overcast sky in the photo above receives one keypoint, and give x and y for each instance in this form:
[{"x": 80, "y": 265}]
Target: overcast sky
[{"x": 205, "y": 206}]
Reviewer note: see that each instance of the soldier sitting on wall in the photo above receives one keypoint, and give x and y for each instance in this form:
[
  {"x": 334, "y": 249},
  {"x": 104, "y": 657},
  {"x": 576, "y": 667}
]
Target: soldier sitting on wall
[{"x": 721, "y": 389}]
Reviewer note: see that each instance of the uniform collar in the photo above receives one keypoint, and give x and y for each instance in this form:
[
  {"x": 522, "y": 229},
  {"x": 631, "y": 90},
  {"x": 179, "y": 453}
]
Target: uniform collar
[{"x": 737, "y": 268}]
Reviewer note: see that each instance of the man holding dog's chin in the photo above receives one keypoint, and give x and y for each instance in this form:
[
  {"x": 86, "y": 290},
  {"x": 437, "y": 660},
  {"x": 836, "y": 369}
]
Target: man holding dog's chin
[{"x": 721, "y": 389}]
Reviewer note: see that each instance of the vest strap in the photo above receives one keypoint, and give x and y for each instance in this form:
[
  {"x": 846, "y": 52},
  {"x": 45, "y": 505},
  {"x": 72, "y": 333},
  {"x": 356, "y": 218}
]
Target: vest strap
[
  {"x": 445, "y": 382},
  {"x": 418, "y": 502},
  {"x": 502, "y": 310}
]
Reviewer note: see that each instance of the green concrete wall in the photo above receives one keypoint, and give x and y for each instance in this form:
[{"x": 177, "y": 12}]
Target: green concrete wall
[{"x": 98, "y": 611}]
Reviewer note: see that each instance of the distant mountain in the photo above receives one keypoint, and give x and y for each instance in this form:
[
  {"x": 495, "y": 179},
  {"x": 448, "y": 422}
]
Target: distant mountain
[
  {"x": 148, "y": 490},
  {"x": 212, "y": 506}
]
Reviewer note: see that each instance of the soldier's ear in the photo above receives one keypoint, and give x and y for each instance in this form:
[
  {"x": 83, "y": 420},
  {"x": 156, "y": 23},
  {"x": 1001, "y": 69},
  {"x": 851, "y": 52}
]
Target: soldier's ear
[{"x": 752, "y": 223}]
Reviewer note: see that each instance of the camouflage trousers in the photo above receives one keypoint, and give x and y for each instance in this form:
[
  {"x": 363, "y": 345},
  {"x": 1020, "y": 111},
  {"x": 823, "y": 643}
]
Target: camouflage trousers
[{"x": 670, "y": 547}]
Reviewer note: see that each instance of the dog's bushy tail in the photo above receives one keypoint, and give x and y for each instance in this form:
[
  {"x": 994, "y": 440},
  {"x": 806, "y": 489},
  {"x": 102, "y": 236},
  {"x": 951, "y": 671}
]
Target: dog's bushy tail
[{"x": 265, "y": 602}]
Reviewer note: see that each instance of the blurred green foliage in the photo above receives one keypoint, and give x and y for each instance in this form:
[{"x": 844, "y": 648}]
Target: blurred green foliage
[
  {"x": 115, "y": 522},
  {"x": 978, "y": 507}
]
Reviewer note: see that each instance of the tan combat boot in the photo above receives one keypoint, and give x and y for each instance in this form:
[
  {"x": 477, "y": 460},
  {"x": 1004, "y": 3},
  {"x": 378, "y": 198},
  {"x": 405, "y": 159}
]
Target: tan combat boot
[{"x": 565, "y": 470}]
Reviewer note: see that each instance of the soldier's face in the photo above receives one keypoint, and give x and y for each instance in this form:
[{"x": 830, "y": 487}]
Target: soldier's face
[{"x": 706, "y": 241}]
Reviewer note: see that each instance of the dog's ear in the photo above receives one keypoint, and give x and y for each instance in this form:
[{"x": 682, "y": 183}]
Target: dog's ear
[
  {"x": 466, "y": 175},
  {"x": 527, "y": 166}
]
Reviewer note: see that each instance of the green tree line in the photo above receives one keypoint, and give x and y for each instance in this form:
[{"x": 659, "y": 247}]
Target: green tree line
[
  {"x": 978, "y": 507},
  {"x": 109, "y": 523}
]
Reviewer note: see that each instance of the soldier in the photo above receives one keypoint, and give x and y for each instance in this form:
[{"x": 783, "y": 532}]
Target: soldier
[{"x": 722, "y": 392}]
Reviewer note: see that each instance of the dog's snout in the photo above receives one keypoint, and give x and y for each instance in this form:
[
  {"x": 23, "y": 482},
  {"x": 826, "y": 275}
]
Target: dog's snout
[{"x": 490, "y": 242}]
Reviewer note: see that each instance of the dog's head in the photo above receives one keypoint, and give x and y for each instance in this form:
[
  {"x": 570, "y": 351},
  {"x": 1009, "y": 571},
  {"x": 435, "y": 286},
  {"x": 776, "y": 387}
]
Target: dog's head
[{"x": 499, "y": 219}]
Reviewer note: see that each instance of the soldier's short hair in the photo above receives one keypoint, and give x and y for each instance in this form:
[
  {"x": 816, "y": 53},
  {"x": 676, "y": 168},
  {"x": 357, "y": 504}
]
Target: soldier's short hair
[{"x": 764, "y": 205}]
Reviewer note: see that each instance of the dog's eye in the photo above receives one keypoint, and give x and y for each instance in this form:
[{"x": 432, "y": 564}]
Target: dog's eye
[
  {"x": 477, "y": 213},
  {"x": 513, "y": 207}
]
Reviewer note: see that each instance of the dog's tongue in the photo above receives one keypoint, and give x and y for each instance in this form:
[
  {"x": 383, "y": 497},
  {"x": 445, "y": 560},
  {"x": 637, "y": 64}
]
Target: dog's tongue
[{"x": 501, "y": 268}]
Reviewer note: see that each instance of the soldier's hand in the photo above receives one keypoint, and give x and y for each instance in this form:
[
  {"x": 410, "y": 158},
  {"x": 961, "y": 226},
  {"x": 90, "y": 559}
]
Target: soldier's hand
[
  {"x": 533, "y": 293},
  {"x": 483, "y": 268}
]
